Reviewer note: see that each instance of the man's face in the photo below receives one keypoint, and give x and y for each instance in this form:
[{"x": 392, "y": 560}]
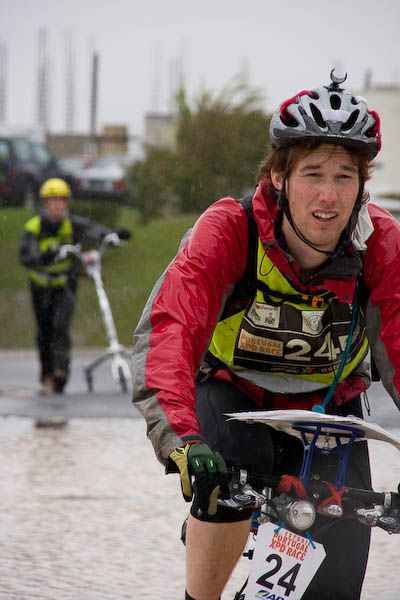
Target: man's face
[
  {"x": 322, "y": 189},
  {"x": 56, "y": 209}
]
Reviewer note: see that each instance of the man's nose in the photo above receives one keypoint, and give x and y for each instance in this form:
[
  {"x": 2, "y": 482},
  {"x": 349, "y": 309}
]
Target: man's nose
[{"x": 328, "y": 191}]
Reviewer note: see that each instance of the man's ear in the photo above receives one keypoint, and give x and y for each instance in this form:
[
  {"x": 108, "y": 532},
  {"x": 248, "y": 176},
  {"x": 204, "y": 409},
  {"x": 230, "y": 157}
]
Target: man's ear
[{"x": 277, "y": 179}]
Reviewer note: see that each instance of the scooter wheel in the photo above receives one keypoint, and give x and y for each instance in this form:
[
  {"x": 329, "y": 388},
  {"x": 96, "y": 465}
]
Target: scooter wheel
[
  {"x": 122, "y": 380},
  {"x": 89, "y": 381}
]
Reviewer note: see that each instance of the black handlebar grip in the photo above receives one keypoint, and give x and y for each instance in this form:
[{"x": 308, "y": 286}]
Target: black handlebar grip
[{"x": 124, "y": 234}]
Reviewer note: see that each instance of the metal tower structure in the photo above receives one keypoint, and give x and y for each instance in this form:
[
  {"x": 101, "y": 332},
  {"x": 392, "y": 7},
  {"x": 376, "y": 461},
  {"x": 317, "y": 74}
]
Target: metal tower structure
[
  {"x": 69, "y": 83},
  {"x": 3, "y": 81},
  {"x": 43, "y": 82},
  {"x": 156, "y": 79},
  {"x": 177, "y": 72},
  {"x": 93, "y": 94}
]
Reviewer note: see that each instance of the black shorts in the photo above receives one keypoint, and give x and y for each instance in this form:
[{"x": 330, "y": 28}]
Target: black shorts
[
  {"x": 254, "y": 447},
  {"x": 264, "y": 451}
]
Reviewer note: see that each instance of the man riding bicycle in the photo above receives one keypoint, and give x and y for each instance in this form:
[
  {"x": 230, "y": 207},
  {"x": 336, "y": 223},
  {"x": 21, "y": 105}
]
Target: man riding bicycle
[{"x": 256, "y": 310}]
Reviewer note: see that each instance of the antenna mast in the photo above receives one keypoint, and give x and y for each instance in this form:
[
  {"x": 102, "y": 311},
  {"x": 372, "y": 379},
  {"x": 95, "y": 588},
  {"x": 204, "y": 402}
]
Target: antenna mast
[
  {"x": 3, "y": 82},
  {"x": 69, "y": 83},
  {"x": 43, "y": 82}
]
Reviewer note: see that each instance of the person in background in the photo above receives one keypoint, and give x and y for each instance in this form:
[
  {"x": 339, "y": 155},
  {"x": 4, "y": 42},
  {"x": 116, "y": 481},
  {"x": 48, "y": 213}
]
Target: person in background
[
  {"x": 271, "y": 303},
  {"x": 53, "y": 283}
]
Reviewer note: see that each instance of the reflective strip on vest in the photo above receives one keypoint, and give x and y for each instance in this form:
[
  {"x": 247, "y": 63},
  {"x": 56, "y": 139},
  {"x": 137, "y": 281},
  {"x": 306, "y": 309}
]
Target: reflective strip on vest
[
  {"x": 287, "y": 333},
  {"x": 46, "y": 280},
  {"x": 53, "y": 274}
]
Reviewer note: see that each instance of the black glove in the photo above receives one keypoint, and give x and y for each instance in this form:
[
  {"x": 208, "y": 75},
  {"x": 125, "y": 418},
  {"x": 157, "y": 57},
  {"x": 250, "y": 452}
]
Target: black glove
[
  {"x": 48, "y": 256},
  {"x": 123, "y": 234},
  {"x": 208, "y": 469}
]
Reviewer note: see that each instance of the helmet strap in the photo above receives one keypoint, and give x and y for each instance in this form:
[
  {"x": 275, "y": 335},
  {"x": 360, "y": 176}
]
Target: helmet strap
[{"x": 283, "y": 205}]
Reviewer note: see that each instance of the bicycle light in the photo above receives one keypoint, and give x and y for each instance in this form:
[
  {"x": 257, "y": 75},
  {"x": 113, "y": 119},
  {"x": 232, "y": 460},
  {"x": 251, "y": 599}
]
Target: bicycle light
[
  {"x": 332, "y": 510},
  {"x": 300, "y": 514}
]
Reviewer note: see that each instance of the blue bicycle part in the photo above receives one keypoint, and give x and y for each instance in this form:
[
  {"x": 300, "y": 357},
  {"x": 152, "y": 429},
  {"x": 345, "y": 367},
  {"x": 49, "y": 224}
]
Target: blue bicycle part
[
  {"x": 320, "y": 408},
  {"x": 331, "y": 430}
]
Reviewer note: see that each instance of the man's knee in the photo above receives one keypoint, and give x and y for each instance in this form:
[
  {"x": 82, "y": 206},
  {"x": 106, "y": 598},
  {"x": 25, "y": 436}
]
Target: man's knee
[{"x": 223, "y": 514}]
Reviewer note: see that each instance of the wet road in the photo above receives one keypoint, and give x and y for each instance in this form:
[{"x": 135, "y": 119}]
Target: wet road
[
  {"x": 86, "y": 512},
  {"x": 19, "y": 390}
]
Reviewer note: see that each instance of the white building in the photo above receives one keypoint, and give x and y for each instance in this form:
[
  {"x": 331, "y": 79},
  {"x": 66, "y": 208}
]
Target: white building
[
  {"x": 386, "y": 101},
  {"x": 160, "y": 130}
]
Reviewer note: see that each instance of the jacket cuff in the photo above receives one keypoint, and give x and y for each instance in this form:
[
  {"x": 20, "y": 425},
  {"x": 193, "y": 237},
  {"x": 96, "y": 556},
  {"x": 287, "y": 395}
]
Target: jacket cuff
[{"x": 193, "y": 439}]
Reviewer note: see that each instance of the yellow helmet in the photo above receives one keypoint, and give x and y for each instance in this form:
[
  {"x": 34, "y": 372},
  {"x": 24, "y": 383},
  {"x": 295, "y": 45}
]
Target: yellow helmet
[{"x": 55, "y": 188}]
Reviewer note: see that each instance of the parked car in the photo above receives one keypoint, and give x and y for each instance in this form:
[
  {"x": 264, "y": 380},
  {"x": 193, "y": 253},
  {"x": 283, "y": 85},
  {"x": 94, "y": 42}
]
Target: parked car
[
  {"x": 24, "y": 165},
  {"x": 104, "y": 178},
  {"x": 75, "y": 163}
]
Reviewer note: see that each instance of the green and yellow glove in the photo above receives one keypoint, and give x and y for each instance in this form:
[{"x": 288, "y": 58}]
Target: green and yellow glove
[{"x": 206, "y": 467}]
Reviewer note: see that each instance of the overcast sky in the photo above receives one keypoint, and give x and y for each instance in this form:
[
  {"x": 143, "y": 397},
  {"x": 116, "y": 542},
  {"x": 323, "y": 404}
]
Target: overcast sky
[{"x": 284, "y": 46}]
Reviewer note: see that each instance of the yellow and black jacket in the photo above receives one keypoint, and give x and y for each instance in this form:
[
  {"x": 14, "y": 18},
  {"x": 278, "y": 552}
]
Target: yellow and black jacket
[{"x": 41, "y": 239}]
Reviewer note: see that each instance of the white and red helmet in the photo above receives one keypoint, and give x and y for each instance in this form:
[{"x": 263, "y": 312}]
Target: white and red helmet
[{"x": 327, "y": 113}]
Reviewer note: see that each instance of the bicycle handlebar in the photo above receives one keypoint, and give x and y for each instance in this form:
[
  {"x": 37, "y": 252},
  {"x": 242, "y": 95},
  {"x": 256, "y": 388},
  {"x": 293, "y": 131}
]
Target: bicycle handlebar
[{"x": 381, "y": 509}]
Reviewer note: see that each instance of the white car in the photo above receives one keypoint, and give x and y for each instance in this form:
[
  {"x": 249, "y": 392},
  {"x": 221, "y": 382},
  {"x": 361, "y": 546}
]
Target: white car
[
  {"x": 105, "y": 177},
  {"x": 76, "y": 163}
]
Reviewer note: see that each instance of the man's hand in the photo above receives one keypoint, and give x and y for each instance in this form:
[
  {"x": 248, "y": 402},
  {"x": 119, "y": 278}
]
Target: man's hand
[
  {"x": 112, "y": 239},
  {"x": 208, "y": 469},
  {"x": 49, "y": 255}
]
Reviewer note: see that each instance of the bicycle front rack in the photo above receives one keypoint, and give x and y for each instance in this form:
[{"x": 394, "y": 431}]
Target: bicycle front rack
[{"x": 344, "y": 435}]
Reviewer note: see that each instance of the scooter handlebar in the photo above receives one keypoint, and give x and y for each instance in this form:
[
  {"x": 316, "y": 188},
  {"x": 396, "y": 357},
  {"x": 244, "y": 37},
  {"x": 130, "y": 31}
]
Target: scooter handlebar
[
  {"x": 111, "y": 239},
  {"x": 67, "y": 250},
  {"x": 124, "y": 234},
  {"x": 114, "y": 238}
]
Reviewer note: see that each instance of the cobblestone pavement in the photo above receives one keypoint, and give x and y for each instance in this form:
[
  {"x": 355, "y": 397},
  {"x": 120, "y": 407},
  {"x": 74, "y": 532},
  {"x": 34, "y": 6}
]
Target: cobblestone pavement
[{"x": 86, "y": 513}]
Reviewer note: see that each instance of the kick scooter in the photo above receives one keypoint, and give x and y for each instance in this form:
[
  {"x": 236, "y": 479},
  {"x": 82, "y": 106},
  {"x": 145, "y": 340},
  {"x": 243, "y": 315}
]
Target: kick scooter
[{"x": 115, "y": 352}]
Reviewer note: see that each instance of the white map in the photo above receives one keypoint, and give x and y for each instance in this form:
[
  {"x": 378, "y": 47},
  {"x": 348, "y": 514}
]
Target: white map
[{"x": 282, "y": 420}]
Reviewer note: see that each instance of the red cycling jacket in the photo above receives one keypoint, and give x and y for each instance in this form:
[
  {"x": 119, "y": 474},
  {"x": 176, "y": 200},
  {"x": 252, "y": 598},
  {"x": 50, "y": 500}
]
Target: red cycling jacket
[{"x": 174, "y": 331}]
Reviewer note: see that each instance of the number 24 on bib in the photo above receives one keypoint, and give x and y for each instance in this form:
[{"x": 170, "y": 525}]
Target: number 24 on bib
[{"x": 283, "y": 564}]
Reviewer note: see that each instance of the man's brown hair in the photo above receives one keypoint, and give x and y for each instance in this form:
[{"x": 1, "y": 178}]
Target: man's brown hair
[{"x": 283, "y": 160}]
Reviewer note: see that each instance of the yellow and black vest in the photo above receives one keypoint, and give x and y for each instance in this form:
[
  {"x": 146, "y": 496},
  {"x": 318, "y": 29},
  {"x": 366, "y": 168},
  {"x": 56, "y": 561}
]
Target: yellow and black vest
[
  {"x": 53, "y": 274},
  {"x": 283, "y": 332}
]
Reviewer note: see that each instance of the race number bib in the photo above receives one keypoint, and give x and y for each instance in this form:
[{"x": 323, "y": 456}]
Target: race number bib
[
  {"x": 283, "y": 564},
  {"x": 286, "y": 339}
]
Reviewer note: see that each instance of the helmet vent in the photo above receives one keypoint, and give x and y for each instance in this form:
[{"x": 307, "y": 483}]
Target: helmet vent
[
  {"x": 350, "y": 121},
  {"x": 288, "y": 120},
  {"x": 316, "y": 113},
  {"x": 336, "y": 101}
]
